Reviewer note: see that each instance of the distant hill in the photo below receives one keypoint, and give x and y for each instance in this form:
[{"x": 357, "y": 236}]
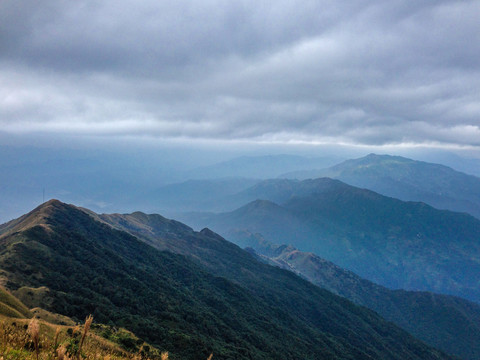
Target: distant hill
[
  {"x": 198, "y": 195},
  {"x": 402, "y": 245},
  {"x": 180, "y": 305},
  {"x": 446, "y": 322},
  {"x": 261, "y": 167},
  {"x": 437, "y": 185}
]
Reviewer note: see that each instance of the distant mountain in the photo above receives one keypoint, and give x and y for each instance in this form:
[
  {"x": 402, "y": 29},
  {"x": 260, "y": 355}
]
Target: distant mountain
[
  {"x": 180, "y": 305},
  {"x": 198, "y": 195},
  {"x": 214, "y": 195},
  {"x": 260, "y": 167},
  {"x": 124, "y": 181},
  {"x": 446, "y": 322},
  {"x": 100, "y": 180},
  {"x": 406, "y": 179},
  {"x": 402, "y": 245}
]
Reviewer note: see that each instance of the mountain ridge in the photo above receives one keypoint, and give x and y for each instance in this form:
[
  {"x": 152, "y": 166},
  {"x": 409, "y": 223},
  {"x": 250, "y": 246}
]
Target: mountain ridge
[
  {"x": 403, "y": 306},
  {"x": 398, "y": 244},
  {"x": 410, "y": 180},
  {"x": 182, "y": 307},
  {"x": 447, "y": 322}
]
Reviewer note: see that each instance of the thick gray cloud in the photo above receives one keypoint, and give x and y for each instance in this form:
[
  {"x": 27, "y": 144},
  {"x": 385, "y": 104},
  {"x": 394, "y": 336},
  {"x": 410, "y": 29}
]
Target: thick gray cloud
[{"x": 353, "y": 72}]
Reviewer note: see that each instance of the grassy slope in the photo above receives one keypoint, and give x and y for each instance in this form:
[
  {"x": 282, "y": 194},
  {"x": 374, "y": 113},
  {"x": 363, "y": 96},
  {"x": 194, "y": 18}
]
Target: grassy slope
[
  {"x": 16, "y": 342},
  {"x": 11, "y": 306},
  {"x": 101, "y": 342},
  {"x": 180, "y": 307}
]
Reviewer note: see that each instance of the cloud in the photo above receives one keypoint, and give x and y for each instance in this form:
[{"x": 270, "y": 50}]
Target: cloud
[{"x": 358, "y": 72}]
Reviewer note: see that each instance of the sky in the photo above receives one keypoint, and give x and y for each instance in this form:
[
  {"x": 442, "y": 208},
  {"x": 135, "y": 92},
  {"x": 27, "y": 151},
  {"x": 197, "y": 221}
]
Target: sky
[{"x": 361, "y": 73}]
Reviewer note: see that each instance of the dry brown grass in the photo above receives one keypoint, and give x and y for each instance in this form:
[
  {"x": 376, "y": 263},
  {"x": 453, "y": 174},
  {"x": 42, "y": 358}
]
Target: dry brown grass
[
  {"x": 34, "y": 332},
  {"x": 86, "y": 327},
  {"x": 22, "y": 339},
  {"x": 25, "y": 339}
]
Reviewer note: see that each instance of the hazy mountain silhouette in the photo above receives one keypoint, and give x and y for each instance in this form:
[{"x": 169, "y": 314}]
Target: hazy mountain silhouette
[
  {"x": 406, "y": 179},
  {"x": 406, "y": 245},
  {"x": 260, "y": 167}
]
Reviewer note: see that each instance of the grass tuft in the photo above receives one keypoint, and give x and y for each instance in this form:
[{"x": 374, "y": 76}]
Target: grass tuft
[{"x": 34, "y": 332}]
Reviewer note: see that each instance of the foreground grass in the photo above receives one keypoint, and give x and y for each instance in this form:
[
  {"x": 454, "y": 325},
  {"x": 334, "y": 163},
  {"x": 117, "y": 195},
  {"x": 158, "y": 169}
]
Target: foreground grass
[{"x": 25, "y": 339}]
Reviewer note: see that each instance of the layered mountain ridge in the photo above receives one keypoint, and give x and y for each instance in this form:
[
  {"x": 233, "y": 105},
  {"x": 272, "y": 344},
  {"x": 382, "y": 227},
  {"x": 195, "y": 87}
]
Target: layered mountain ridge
[
  {"x": 397, "y": 244},
  {"x": 443, "y": 321},
  {"x": 406, "y": 179},
  {"x": 180, "y": 305}
]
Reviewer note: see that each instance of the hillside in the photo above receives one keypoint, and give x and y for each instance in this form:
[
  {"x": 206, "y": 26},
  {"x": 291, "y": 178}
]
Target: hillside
[
  {"x": 409, "y": 180},
  {"x": 402, "y": 245},
  {"x": 12, "y": 307},
  {"x": 180, "y": 306},
  {"x": 446, "y": 322}
]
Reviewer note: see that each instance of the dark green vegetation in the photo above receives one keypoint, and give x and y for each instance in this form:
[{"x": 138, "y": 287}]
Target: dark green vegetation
[
  {"x": 446, "y": 322},
  {"x": 406, "y": 179},
  {"x": 397, "y": 244},
  {"x": 179, "y": 305}
]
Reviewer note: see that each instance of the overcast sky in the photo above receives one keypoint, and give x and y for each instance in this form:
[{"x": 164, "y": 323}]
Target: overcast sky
[{"x": 335, "y": 71}]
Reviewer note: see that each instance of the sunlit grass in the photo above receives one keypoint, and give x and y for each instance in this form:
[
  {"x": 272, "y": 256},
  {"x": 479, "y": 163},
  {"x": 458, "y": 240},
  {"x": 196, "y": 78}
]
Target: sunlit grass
[{"x": 34, "y": 339}]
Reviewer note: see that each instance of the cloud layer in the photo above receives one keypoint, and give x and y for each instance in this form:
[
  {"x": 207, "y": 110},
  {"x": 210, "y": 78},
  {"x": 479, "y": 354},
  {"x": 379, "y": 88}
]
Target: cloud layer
[{"x": 354, "y": 72}]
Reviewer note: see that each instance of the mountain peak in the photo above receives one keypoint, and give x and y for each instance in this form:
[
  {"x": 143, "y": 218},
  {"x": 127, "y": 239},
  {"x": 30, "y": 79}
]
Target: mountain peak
[
  {"x": 50, "y": 206},
  {"x": 38, "y": 216},
  {"x": 260, "y": 204},
  {"x": 373, "y": 158},
  {"x": 51, "y": 202},
  {"x": 211, "y": 234}
]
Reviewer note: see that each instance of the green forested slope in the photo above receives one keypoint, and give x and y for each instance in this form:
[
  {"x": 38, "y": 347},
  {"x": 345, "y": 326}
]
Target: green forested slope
[
  {"x": 446, "y": 322},
  {"x": 179, "y": 306}
]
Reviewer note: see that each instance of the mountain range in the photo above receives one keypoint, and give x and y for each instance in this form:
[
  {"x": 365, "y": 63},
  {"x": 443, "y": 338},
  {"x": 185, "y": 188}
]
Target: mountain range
[
  {"x": 251, "y": 311},
  {"x": 406, "y": 179},
  {"x": 398, "y": 244},
  {"x": 261, "y": 167},
  {"x": 124, "y": 180},
  {"x": 197, "y": 195},
  {"x": 394, "y": 176}
]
